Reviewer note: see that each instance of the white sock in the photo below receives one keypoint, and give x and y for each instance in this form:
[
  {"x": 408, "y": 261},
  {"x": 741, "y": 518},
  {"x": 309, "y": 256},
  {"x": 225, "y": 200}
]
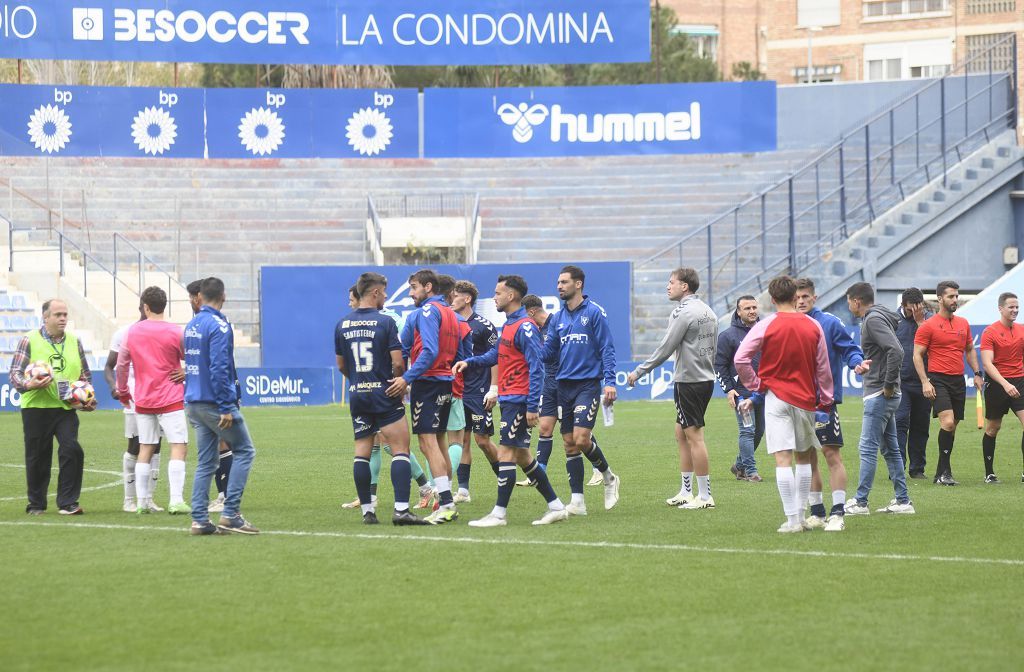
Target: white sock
[
  {"x": 366, "y": 508},
  {"x": 608, "y": 476},
  {"x": 815, "y": 498},
  {"x": 577, "y": 499},
  {"x": 803, "y": 486},
  {"x": 154, "y": 474},
  {"x": 176, "y": 478},
  {"x": 401, "y": 506},
  {"x": 128, "y": 473},
  {"x": 838, "y": 497},
  {"x": 786, "y": 482},
  {"x": 498, "y": 511},
  {"x": 142, "y": 481},
  {"x": 464, "y": 492},
  {"x": 687, "y": 481},
  {"x": 556, "y": 505},
  {"x": 704, "y": 487},
  {"x": 443, "y": 484}
]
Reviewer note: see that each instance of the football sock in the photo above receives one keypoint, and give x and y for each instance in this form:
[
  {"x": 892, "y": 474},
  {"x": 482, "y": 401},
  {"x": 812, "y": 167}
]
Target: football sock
[
  {"x": 704, "y": 487},
  {"x": 786, "y": 482},
  {"x": 945, "y": 450},
  {"x": 506, "y": 482},
  {"x": 223, "y": 472},
  {"x": 538, "y": 475},
  {"x": 817, "y": 502},
  {"x": 838, "y": 502},
  {"x": 455, "y": 453},
  {"x": 142, "y": 490},
  {"x": 176, "y": 479},
  {"x": 499, "y": 511},
  {"x": 128, "y": 473},
  {"x": 462, "y": 472},
  {"x": 988, "y": 451},
  {"x": 687, "y": 481},
  {"x": 494, "y": 468},
  {"x": 375, "y": 462},
  {"x": 544, "y": 444},
  {"x": 803, "y": 486},
  {"x": 400, "y": 476},
  {"x": 596, "y": 457},
  {"x": 417, "y": 470},
  {"x": 1022, "y": 451},
  {"x": 361, "y": 475},
  {"x": 444, "y": 490},
  {"x": 574, "y": 467},
  {"x": 154, "y": 473},
  {"x": 421, "y": 480}
]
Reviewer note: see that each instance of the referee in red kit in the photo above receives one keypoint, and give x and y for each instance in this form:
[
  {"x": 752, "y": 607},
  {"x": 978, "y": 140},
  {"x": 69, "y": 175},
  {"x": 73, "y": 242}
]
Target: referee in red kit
[{"x": 1002, "y": 354}]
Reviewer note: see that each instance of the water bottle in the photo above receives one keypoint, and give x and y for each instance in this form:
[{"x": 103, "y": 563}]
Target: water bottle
[
  {"x": 609, "y": 415},
  {"x": 747, "y": 415}
]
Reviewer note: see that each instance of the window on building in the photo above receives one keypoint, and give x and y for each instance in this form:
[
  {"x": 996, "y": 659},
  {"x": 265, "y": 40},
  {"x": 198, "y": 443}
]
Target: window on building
[
  {"x": 991, "y": 6},
  {"x": 903, "y": 8},
  {"x": 994, "y": 48},
  {"x": 703, "y": 38},
  {"x": 917, "y": 71},
  {"x": 885, "y": 68},
  {"x": 905, "y": 60},
  {"x": 819, "y": 73},
  {"x": 817, "y": 13}
]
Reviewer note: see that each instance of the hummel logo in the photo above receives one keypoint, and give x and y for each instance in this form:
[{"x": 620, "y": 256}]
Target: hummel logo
[
  {"x": 522, "y": 119},
  {"x": 593, "y": 411},
  {"x": 502, "y": 481}
]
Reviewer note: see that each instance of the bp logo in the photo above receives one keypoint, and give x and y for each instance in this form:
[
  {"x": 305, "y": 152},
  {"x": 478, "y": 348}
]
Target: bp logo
[{"x": 522, "y": 118}]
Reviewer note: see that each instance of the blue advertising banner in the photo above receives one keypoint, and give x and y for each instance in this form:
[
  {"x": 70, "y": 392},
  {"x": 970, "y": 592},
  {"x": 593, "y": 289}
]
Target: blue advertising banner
[
  {"x": 214, "y": 123},
  {"x": 286, "y": 387},
  {"x": 397, "y": 32},
  {"x": 647, "y": 119},
  {"x": 300, "y": 305}
]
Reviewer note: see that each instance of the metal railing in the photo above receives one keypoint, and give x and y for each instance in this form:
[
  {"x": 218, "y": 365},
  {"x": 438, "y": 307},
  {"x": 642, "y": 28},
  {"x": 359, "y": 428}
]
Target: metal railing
[
  {"x": 142, "y": 264},
  {"x": 872, "y": 168},
  {"x": 375, "y": 252}
]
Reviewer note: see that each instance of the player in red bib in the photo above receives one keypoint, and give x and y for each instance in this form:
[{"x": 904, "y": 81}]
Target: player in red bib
[
  {"x": 520, "y": 378},
  {"x": 1002, "y": 355}
]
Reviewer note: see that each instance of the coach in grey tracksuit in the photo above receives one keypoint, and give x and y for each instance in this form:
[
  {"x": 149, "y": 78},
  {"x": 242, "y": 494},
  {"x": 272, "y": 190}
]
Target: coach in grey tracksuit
[
  {"x": 692, "y": 337},
  {"x": 881, "y": 397}
]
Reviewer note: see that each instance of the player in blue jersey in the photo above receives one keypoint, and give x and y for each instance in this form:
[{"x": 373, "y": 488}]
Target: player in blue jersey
[
  {"x": 517, "y": 354},
  {"x": 842, "y": 349},
  {"x": 369, "y": 355},
  {"x": 477, "y": 381},
  {"x": 582, "y": 346}
]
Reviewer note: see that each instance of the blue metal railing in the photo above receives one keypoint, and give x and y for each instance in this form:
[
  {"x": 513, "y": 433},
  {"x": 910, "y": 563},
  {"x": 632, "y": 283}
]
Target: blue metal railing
[{"x": 878, "y": 164}]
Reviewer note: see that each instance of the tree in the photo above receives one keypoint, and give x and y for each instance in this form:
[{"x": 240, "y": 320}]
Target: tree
[{"x": 745, "y": 72}]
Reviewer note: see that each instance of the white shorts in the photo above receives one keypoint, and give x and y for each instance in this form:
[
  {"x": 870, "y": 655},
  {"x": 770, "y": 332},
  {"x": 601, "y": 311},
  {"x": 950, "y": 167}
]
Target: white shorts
[
  {"x": 787, "y": 427},
  {"x": 131, "y": 426},
  {"x": 172, "y": 425}
]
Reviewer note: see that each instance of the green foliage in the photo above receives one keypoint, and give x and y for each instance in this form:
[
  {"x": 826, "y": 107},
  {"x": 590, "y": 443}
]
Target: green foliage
[{"x": 745, "y": 72}]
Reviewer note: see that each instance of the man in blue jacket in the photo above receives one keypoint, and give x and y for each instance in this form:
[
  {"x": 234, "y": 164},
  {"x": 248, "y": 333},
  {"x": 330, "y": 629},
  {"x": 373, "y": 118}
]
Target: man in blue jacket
[
  {"x": 915, "y": 412},
  {"x": 745, "y": 317},
  {"x": 842, "y": 349},
  {"x": 582, "y": 346},
  {"x": 212, "y": 395}
]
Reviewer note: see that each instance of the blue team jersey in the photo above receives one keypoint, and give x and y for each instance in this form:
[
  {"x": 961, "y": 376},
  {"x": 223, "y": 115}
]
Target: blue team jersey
[
  {"x": 483, "y": 336},
  {"x": 581, "y": 344},
  {"x": 842, "y": 349},
  {"x": 365, "y": 339},
  {"x": 550, "y": 368}
]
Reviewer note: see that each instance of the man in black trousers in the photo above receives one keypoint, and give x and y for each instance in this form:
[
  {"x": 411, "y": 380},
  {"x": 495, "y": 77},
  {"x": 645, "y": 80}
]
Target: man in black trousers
[{"x": 914, "y": 414}]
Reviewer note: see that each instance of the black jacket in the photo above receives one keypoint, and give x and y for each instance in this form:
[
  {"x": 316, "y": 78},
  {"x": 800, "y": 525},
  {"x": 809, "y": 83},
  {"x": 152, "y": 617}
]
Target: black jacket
[
  {"x": 728, "y": 343},
  {"x": 905, "y": 331}
]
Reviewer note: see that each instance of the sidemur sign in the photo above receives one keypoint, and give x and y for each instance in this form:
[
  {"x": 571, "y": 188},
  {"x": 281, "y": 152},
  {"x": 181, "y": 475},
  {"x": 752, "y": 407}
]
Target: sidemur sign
[{"x": 397, "y": 32}]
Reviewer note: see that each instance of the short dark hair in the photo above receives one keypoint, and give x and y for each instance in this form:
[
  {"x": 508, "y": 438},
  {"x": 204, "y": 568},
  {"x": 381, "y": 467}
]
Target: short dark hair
[
  {"x": 46, "y": 304},
  {"x": 940, "y": 289},
  {"x": 1004, "y": 297},
  {"x": 368, "y": 281},
  {"x": 745, "y": 297},
  {"x": 515, "y": 283},
  {"x": 911, "y": 295},
  {"x": 193, "y": 287},
  {"x": 354, "y": 291},
  {"x": 155, "y": 299},
  {"x": 782, "y": 289},
  {"x": 531, "y": 301},
  {"x": 445, "y": 284},
  {"x": 424, "y": 277},
  {"x": 575, "y": 272},
  {"x": 804, "y": 283},
  {"x": 467, "y": 287},
  {"x": 861, "y": 291},
  {"x": 689, "y": 276},
  {"x": 212, "y": 289}
]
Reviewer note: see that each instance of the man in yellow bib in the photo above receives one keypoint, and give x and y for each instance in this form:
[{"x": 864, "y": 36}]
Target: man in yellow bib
[{"x": 46, "y": 413}]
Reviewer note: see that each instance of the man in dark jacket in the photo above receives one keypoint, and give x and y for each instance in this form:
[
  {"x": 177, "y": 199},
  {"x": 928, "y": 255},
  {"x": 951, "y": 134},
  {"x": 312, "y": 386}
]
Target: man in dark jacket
[
  {"x": 914, "y": 414},
  {"x": 883, "y": 357},
  {"x": 745, "y": 317}
]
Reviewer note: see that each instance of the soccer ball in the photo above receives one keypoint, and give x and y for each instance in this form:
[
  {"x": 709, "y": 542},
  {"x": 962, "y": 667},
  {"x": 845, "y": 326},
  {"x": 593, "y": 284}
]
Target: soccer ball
[
  {"x": 82, "y": 394},
  {"x": 38, "y": 369}
]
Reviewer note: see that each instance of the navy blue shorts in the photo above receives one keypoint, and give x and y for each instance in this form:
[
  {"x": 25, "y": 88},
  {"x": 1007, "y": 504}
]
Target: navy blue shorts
[
  {"x": 549, "y": 400},
  {"x": 478, "y": 419},
  {"x": 367, "y": 424},
  {"x": 515, "y": 433},
  {"x": 431, "y": 403},
  {"x": 578, "y": 401},
  {"x": 830, "y": 433}
]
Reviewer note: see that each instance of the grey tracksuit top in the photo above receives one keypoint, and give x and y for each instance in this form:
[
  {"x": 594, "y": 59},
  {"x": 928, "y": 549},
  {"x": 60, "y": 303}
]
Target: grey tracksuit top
[{"x": 692, "y": 337}]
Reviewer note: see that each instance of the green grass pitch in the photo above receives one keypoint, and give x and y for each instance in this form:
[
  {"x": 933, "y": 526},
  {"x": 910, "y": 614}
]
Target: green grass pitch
[{"x": 641, "y": 587}]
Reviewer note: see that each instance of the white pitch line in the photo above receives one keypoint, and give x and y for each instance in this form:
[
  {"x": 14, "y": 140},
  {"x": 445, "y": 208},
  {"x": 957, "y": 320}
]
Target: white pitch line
[
  {"x": 52, "y": 494},
  {"x": 680, "y": 548}
]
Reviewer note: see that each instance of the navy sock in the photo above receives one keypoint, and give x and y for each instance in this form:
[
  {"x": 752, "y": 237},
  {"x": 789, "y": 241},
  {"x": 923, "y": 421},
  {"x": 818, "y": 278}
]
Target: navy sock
[
  {"x": 596, "y": 456},
  {"x": 818, "y": 510},
  {"x": 945, "y": 450},
  {"x": 539, "y": 475},
  {"x": 361, "y": 474},
  {"x": 988, "y": 451},
  {"x": 544, "y": 444},
  {"x": 445, "y": 498},
  {"x": 373, "y": 489},
  {"x": 220, "y": 478},
  {"x": 574, "y": 467},
  {"x": 494, "y": 467},
  {"x": 401, "y": 473},
  {"x": 422, "y": 480},
  {"x": 506, "y": 482},
  {"x": 462, "y": 474},
  {"x": 837, "y": 509}
]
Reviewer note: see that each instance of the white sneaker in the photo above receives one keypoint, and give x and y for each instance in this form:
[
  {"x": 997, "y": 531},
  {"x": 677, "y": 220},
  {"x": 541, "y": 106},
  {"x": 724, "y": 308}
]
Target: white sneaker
[
  {"x": 576, "y": 509},
  {"x": 525, "y": 483},
  {"x": 854, "y": 509},
  {"x": 787, "y": 528},
  {"x": 814, "y": 523},
  {"x": 153, "y": 506},
  {"x": 836, "y": 523},
  {"x": 596, "y": 478},
  {"x": 680, "y": 498},
  {"x": 490, "y": 520},
  {"x": 611, "y": 492},
  {"x": 217, "y": 505},
  {"x": 896, "y": 507},
  {"x": 129, "y": 505},
  {"x": 460, "y": 498},
  {"x": 698, "y": 503},
  {"x": 552, "y": 516}
]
